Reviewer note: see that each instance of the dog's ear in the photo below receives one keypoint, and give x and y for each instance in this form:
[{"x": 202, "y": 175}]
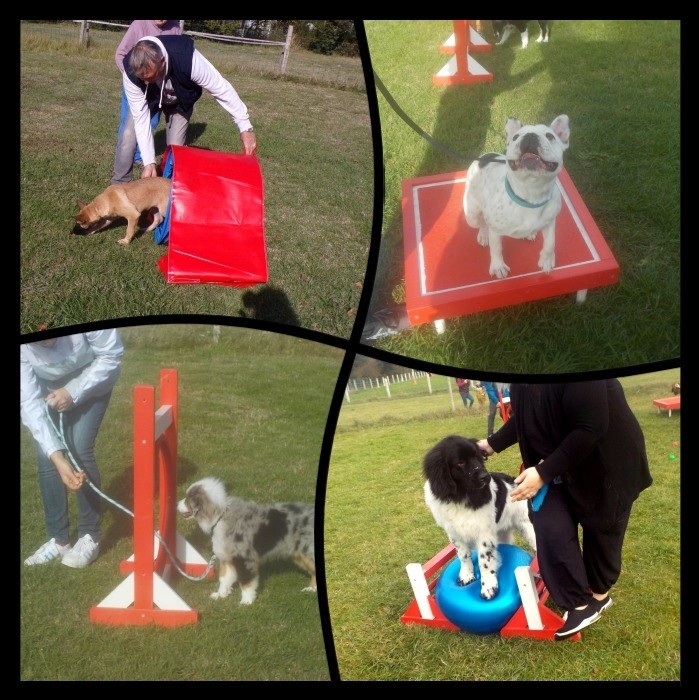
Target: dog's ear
[
  {"x": 80, "y": 205},
  {"x": 561, "y": 127},
  {"x": 512, "y": 127}
]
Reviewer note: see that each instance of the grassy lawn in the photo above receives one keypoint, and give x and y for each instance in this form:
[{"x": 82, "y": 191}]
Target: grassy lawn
[
  {"x": 619, "y": 82},
  {"x": 376, "y": 522},
  {"x": 316, "y": 158},
  {"x": 258, "y": 426}
]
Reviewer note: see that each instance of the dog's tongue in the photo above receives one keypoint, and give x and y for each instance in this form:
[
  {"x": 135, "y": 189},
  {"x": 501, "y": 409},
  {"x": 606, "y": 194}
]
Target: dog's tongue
[{"x": 531, "y": 161}]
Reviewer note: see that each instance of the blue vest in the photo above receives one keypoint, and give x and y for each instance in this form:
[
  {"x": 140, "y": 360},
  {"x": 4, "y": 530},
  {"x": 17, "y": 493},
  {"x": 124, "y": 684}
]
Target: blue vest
[{"x": 180, "y": 50}]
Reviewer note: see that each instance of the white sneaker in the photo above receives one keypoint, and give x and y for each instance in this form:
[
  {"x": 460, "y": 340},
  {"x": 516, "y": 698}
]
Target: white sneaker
[
  {"x": 84, "y": 552},
  {"x": 47, "y": 552}
]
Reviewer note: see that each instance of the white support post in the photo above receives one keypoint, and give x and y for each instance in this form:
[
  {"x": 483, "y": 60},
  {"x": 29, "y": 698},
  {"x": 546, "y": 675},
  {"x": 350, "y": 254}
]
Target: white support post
[
  {"x": 529, "y": 596},
  {"x": 421, "y": 590}
]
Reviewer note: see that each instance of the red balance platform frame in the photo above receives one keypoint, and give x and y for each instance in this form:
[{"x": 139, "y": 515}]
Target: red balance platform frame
[
  {"x": 144, "y": 596},
  {"x": 446, "y": 270},
  {"x": 532, "y": 619}
]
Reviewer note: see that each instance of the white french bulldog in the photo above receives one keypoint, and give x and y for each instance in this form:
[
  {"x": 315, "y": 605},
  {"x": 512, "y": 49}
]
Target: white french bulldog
[{"x": 519, "y": 197}]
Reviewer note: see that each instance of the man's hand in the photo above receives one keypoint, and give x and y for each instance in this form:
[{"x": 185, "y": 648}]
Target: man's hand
[
  {"x": 149, "y": 171},
  {"x": 72, "y": 479},
  {"x": 249, "y": 142}
]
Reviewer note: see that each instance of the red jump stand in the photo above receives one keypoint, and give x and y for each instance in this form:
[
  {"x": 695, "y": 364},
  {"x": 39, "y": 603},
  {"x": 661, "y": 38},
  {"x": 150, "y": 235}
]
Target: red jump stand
[
  {"x": 461, "y": 67},
  {"x": 532, "y": 619},
  {"x": 144, "y": 596},
  {"x": 446, "y": 270}
]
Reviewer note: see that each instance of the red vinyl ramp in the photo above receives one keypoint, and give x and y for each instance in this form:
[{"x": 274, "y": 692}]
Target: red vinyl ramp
[{"x": 216, "y": 220}]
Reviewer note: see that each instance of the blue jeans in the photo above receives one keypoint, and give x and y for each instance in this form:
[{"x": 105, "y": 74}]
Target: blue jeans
[
  {"x": 80, "y": 427},
  {"x": 467, "y": 399},
  {"x": 127, "y": 146}
]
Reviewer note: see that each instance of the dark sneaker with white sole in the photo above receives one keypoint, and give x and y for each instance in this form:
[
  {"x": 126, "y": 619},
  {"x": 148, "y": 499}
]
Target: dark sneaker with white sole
[
  {"x": 577, "y": 620},
  {"x": 601, "y": 606}
]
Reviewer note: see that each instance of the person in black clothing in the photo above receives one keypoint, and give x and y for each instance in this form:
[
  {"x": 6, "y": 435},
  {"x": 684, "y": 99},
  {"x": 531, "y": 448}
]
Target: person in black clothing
[{"x": 581, "y": 442}]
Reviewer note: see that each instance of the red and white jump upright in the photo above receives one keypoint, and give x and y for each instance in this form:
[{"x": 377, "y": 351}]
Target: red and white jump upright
[
  {"x": 144, "y": 596},
  {"x": 461, "y": 67}
]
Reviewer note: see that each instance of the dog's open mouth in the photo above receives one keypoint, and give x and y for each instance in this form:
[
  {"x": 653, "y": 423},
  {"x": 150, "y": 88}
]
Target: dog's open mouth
[
  {"x": 186, "y": 513},
  {"x": 532, "y": 161}
]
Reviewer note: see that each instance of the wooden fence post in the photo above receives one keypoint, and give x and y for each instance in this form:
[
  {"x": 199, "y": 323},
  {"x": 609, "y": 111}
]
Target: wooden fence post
[
  {"x": 84, "y": 39},
  {"x": 287, "y": 50}
]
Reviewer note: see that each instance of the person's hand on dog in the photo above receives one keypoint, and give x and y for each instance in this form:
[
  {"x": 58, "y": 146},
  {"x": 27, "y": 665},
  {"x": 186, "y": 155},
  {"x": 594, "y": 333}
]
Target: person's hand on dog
[
  {"x": 485, "y": 448},
  {"x": 72, "y": 479},
  {"x": 249, "y": 142},
  {"x": 528, "y": 483},
  {"x": 149, "y": 170},
  {"x": 59, "y": 400}
]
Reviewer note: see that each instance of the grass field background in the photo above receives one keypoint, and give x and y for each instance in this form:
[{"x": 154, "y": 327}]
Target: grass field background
[
  {"x": 253, "y": 408},
  {"x": 316, "y": 158},
  {"x": 376, "y": 523},
  {"x": 619, "y": 82}
]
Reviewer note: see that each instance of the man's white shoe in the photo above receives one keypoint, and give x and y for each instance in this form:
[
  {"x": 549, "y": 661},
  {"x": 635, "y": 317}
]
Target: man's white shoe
[
  {"x": 84, "y": 552},
  {"x": 47, "y": 552}
]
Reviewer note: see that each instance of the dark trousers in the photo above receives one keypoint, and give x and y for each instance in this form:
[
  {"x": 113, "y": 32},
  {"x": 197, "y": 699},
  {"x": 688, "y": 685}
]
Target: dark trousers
[{"x": 572, "y": 570}]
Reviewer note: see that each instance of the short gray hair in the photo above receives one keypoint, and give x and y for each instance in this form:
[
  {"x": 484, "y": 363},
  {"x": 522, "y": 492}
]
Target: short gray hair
[{"x": 145, "y": 55}]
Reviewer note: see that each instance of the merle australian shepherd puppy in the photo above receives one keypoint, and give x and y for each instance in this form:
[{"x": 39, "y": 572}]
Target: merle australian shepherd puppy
[
  {"x": 473, "y": 507},
  {"x": 245, "y": 534}
]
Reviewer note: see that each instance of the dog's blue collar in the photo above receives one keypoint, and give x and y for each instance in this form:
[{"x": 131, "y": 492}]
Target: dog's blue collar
[{"x": 522, "y": 202}]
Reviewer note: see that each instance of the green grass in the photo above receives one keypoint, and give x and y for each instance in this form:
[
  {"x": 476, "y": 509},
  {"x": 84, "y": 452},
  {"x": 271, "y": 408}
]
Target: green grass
[
  {"x": 376, "y": 523},
  {"x": 316, "y": 158},
  {"x": 619, "y": 82},
  {"x": 256, "y": 425}
]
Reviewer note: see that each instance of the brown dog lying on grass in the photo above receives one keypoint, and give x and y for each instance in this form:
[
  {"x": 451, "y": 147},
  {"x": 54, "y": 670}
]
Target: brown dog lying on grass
[{"x": 129, "y": 200}]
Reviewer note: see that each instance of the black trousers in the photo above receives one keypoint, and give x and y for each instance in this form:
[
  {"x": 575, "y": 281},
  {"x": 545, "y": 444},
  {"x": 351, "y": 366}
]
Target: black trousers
[{"x": 572, "y": 570}]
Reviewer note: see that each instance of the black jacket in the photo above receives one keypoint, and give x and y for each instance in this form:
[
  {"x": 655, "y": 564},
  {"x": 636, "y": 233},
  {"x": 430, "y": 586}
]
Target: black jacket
[{"x": 587, "y": 435}]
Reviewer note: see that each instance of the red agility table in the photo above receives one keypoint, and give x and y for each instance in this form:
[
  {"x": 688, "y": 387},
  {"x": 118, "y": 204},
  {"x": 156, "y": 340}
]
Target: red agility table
[
  {"x": 670, "y": 404},
  {"x": 446, "y": 270}
]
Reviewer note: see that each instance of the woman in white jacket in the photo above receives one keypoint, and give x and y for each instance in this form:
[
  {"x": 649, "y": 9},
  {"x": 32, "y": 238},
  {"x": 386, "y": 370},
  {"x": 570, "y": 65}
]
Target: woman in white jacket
[{"x": 73, "y": 376}]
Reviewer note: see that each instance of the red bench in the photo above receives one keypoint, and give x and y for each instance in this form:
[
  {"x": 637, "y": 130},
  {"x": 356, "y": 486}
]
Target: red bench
[{"x": 671, "y": 404}]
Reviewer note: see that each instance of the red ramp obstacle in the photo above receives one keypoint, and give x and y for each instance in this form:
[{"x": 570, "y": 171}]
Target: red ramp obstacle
[
  {"x": 446, "y": 270},
  {"x": 216, "y": 227},
  {"x": 144, "y": 596}
]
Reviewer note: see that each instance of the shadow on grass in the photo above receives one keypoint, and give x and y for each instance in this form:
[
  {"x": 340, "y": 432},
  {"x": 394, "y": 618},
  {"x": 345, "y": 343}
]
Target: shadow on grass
[
  {"x": 461, "y": 126},
  {"x": 268, "y": 304}
]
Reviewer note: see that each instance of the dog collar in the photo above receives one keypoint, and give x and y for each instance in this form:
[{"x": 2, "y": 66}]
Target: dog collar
[
  {"x": 522, "y": 202},
  {"x": 218, "y": 520}
]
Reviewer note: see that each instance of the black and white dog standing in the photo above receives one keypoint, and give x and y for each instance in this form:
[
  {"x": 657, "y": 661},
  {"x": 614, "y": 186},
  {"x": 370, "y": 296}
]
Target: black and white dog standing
[
  {"x": 504, "y": 28},
  {"x": 473, "y": 507}
]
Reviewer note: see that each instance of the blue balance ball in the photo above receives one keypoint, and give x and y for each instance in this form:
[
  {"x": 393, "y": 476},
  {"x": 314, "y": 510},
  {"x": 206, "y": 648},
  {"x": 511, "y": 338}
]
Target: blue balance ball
[{"x": 463, "y": 605}]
